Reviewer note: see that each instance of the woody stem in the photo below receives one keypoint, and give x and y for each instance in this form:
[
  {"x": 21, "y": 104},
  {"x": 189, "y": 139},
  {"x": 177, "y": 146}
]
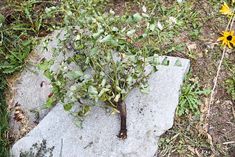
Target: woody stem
[{"x": 122, "y": 109}]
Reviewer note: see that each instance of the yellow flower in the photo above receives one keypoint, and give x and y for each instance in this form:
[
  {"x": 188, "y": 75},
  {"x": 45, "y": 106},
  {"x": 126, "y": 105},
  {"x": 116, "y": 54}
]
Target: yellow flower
[
  {"x": 228, "y": 39},
  {"x": 226, "y": 10}
]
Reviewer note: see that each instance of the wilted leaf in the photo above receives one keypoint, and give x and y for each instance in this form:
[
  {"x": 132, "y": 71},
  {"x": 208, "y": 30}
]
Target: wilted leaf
[
  {"x": 152, "y": 27},
  {"x": 117, "y": 97},
  {"x": 84, "y": 111},
  {"x": 178, "y": 63},
  {"x": 107, "y": 38},
  {"x": 92, "y": 90}
]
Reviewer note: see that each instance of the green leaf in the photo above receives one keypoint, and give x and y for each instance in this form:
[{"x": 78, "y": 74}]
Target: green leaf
[
  {"x": 74, "y": 74},
  {"x": 129, "y": 80},
  {"x": 115, "y": 29},
  {"x": 103, "y": 82},
  {"x": 144, "y": 88},
  {"x": 68, "y": 107},
  {"x": 84, "y": 111},
  {"x": 178, "y": 63},
  {"x": 96, "y": 35},
  {"x": 26, "y": 42},
  {"x": 50, "y": 102},
  {"x": 152, "y": 27},
  {"x": 165, "y": 61},
  {"x": 137, "y": 17},
  {"x": 103, "y": 90},
  {"x": 130, "y": 33},
  {"x": 145, "y": 15},
  {"x": 45, "y": 65},
  {"x": 107, "y": 38},
  {"x": 92, "y": 90},
  {"x": 2, "y": 19}
]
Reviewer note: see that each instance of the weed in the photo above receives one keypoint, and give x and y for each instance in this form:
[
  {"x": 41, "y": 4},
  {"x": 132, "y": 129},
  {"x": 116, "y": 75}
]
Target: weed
[
  {"x": 190, "y": 97},
  {"x": 184, "y": 138}
]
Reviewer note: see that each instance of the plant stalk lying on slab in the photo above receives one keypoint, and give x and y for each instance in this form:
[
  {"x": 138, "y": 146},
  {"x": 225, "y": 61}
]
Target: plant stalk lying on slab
[
  {"x": 122, "y": 109},
  {"x": 103, "y": 60}
]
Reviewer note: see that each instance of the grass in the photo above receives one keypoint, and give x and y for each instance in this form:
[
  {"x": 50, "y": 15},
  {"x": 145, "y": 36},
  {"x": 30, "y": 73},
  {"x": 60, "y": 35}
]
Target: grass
[
  {"x": 180, "y": 140},
  {"x": 4, "y": 144}
]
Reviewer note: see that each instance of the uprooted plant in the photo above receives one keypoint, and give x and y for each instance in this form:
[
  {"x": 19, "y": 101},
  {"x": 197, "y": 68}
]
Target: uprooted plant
[{"x": 104, "y": 58}]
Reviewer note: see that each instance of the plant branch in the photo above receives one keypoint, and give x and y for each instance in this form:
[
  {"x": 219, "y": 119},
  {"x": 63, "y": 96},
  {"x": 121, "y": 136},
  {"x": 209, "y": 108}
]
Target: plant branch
[{"x": 122, "y": 109}]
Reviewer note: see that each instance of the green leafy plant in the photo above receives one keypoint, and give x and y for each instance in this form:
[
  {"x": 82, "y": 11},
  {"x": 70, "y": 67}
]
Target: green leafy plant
[
  {"x": 190, "y": 98},
  {"x": 106, "y": 60}
]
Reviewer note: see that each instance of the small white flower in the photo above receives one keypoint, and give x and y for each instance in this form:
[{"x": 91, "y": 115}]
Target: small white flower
[
  {"x": 111, "y": 12},
  {"x": 144, "y": 9},
  {"x": 159, "y": 25},
  {"x": 172, "y": 20}
]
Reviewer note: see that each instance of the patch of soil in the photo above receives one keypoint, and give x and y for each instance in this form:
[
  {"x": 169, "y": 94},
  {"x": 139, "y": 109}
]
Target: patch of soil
[
  {"x": 204, "y": 68},
  {"x": 222, "y": 118},
  {"x": 121, "y": 7}
]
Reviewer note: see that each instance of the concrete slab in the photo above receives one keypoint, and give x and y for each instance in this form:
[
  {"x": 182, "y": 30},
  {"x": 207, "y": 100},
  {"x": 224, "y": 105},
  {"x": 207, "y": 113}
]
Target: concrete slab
[{"x": 149, "y": 115}]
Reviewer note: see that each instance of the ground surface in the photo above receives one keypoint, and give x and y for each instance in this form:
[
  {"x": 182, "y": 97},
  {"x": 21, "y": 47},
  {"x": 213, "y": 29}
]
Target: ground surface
[
  {"x": 204, "y": 52},
  {"x": 197, "y": 41}
]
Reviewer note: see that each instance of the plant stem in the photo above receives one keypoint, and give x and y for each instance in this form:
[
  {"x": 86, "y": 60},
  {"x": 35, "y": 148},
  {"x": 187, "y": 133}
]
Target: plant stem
[{"x": 122, "y": 109}]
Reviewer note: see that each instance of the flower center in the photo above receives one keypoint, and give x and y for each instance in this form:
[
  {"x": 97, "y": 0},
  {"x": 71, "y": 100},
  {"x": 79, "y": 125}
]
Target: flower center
[{"x": 229, "y": 38}]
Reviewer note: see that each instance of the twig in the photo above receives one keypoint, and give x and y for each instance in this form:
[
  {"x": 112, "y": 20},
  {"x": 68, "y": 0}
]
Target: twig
[
  {"x": 230, "y": 142},
  {"x": 122, "y": 109},
  {"x": 215, "y": 82}
]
